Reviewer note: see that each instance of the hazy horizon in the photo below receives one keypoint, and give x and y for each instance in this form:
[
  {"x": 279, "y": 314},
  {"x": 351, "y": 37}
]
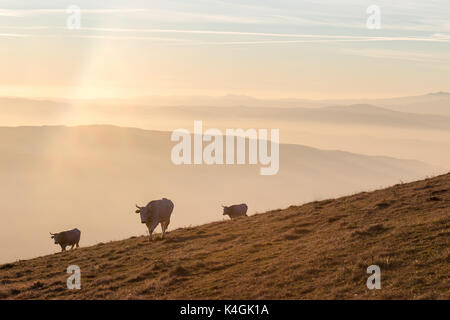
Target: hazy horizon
[{"x": 228, "y": 95}]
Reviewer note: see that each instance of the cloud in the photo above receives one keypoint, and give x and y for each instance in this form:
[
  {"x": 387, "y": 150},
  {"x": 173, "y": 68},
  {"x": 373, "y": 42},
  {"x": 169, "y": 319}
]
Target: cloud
[
  {"x": 34, "y": 12},
  {"x": 295, "y": 37},
  {"x": 14, "y": 35},
  {"x": 397, "y": 55},
  {"x": 155, "y": 14},
  {"x": 416, "y": 16},
  {"x": 441, "y": 36},
  {"x": 9, "y": 13}
]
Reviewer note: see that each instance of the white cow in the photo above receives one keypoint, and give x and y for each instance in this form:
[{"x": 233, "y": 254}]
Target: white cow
[{"x": 156, "y": 212}]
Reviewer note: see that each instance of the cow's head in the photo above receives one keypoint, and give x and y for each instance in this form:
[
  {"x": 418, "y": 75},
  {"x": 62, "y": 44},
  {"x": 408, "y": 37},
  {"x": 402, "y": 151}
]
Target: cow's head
[
  {"x": 226, "y": 210},
  {"x": 145, "y": 213},
  {"x": 55, "y": 236}
]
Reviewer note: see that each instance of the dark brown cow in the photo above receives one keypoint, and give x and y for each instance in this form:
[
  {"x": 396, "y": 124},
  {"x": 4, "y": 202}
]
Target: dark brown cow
[
  {"x": 235, "y": 211},
  {"x": 67, "y": 238}
]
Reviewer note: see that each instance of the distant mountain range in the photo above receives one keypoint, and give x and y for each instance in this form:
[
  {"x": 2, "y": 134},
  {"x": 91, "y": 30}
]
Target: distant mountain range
[
  {"x": 432, "y": 103},
  {"x": 409, "y": 127},
  {"x": 361, "y": 115},
  {"x": 430, "y": 111}
]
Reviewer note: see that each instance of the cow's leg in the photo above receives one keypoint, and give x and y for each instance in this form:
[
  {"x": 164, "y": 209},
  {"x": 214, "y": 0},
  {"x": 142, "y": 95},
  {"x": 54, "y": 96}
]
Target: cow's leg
[
  {"x": 152, "y": 228},
  {"x": 163, "y": 229},
  {"x": 72, "y": 247},
  {"x": 78, "y": 245},
  {"x": 63, "y": 248},
  {"x": 164, "y": 226}
]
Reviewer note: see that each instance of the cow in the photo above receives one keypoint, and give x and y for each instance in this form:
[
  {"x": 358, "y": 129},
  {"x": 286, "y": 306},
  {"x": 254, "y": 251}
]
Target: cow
[
  {"x": 67, "y": 238},
  {"x": 235, "y": 211},
  {"x": 154, "y": 213}
]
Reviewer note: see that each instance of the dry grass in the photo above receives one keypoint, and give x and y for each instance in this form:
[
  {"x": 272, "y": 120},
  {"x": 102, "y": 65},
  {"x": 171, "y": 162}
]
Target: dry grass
[{"x": 317, "y": 250}]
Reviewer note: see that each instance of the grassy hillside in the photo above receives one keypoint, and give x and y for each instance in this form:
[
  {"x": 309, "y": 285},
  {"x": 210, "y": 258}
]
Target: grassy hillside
[
  {"x": 90, "y": 177},
  {"x": 317, "y": 250}
]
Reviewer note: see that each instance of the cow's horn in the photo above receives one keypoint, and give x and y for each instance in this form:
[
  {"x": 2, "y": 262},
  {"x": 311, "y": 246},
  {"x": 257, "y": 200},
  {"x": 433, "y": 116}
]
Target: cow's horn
[
  {"x": 137, "y": 206},
  {"x": 52, "y": 234}
]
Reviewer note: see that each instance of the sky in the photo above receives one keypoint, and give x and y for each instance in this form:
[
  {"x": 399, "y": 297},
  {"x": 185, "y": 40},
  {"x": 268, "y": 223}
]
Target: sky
[{"x": 314, "y": 49}]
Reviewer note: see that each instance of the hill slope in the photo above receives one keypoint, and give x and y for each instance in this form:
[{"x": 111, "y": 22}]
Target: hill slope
[{"x": 317, "y": 250}]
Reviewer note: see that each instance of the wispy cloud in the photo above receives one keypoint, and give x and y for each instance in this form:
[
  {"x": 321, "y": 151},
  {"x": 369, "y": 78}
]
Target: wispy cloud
[
  {"x": 417, "y": 16},
  {"x": 155, "y": 14},
  {"x": 403, "y": 55},
  {"x": 13, "y": 35},
  {"x": 295, "y": 37},
  {"x": 34, "y": 12},
  {"x": 434, "y": 38},
  {"x": 441, "y": 36}
]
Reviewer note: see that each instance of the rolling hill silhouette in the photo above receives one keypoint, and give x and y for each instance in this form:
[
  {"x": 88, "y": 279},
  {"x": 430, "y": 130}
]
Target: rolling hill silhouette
[{"x": 365, "y": 127}]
